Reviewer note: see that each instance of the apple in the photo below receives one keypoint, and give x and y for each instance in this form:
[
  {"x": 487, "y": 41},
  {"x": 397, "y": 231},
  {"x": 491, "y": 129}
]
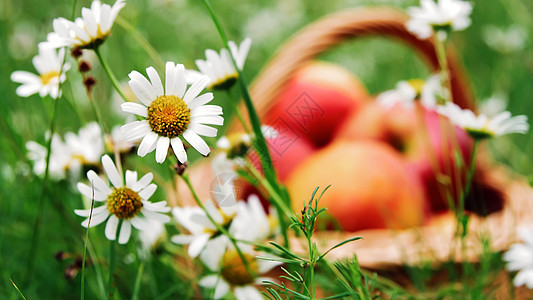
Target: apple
[
  {"x": 429, "y": 149},
  {"x": 317, "y": 100},
  {"x": 371, "y": 186}
]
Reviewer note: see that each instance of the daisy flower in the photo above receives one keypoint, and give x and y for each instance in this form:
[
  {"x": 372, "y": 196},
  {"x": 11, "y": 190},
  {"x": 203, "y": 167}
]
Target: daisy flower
[
  {"x": 86, "y": 147},
  {"x": 87, "y": 32},
  {"x": 440, "y": 17},
  {"x": 219, "y": 66},
  {"x": 232, "y": 275},
  {"x": 252, "y": 223},
  {"x": 124, "y": 204},
  {"x": 407, "y": 92},
  {"x": 48, "y": 64},
  {"x": 519, "y": 258},
  {"x": 482, "y": 127},
  {"x": 59, "y": 157},
  {"x": 170, "y": 114},
  {"x": 195, "y": 220}
]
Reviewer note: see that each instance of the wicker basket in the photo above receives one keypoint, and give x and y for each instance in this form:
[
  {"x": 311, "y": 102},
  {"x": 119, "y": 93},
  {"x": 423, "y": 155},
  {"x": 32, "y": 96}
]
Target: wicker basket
[{"x": 381, "y": 248}]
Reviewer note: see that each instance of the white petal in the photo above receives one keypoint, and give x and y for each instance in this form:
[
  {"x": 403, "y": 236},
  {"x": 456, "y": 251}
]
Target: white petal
[
  {"x": 156, "y": 216},
  {"x": 203, "y": 130},
  {"x": 24, "y": 77},
  {"x": 157, "y": 207},
  {"x": 27, "y": 90},
  {"x": 195, "y": 89},
  {"x": 138, "y": 223},
  {"x": 209, "y": 281},
  {"x": 211, "y": 120},
  {"x": 247, "y": 293},
  {"x": 143, "y": 182},
  {"x": 198, "y": 244},
  {"x": 90, "y": 23},
  {"x": 179, "y": 150},
  {"x": 91, "y": 193},
  {"x": 170, "y": 78},
  {"x": 196, "y": 142},
  {"x": 134, "y": 108},
  {"x": 201, "y": 100},
  {"x": 86, "y": 212},
  {"x": 98, "y": 183},
  {"x": 125, "y": 232},
  {"x": 182, "y": 239},
  {"x": 148, "y": 144},
  {"x": 156, "y": 81},
  {"x": 112, "y": 172},
  {"x": 206, "y": 110},
  {"x": 131, "y": 178},
  {"x": 111, "y": 228},
  {"x": 142, "y": 88},
  {"x": 181, "y": 81},
  {"x": 96, "y": 219},
  {"x": 147, "y": 192},
  {"x": 135, "y": 130},
  {"x": 161, "y": 150},
  {"x": 221, "y": 289}
]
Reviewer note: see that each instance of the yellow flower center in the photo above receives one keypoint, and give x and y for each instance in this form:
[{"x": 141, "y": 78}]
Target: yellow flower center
[
  {"x": 124, "y": 203},
  {"x": 169, "y": 116},
  {"x": 417, "y": 85},
  {"x": 234, "y": 271},
  {"x": 47, "y": 77}
]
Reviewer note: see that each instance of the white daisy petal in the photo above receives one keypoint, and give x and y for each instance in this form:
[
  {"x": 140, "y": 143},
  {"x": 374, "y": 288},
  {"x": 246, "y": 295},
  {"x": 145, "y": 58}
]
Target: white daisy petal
[
  {"x": 148, "y": 191},
  {"x": 135, "y": 130},
  {"x": 203, "y": 130},
  {"x": 111, "y": 228},
  {"x": 181, "y": 81},
  {"x": 86, "y": 212},
  {"x": 210, "y": 120},
  {"x": 156, "y": 81},
  {"x": 161, "y": 149},
  {"x": 143, "y": 182},
  {"x": 96, "y": 219},
  {"x": 157, "y": 207},
  {"x": 131, "y": 178},
  {"x": 112, "y": 172},
  {"x": 209, "y": 281},
  {"x": 198, "y": 244},
  {"x": 206, "y": 110},
  {"x": 98, "y": 183},
  {"x": 182, "y": 239},
  {"x": 196, "y": 142},
  {"x": 156, "y": 216},
  {"x": 134, "y": 108},
  {"x": 142, "y": 88},
  {"x": 221, "y": 289},
  {"x": 201, "y": 100},
  {"x": 195, "y": 89},
  {"x": 91, "y": 193},
  {"x": 138, "y": 223},
  {"x": 247, "y": 293},
  {"x": 170, "y": 78},
  {"x": 125, "y": 232},
  {"x": 179, "y": 150},
  {"x": 148, "y": 144}
]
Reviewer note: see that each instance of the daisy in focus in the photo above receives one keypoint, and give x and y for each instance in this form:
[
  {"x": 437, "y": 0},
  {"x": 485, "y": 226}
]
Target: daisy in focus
[
  {"x": 170, "y": 114},
  {"x": 231, "y": 273},
  {"x": 87, "y": 32},
  {"x": 48, "y": 65},
  {"x": 201, "y": 230},
  {"x": 519, "y": 258},
  {"x": 219, "y": 67},
  {"x": 439, "y": 17},
  {"x": 127, "y": 204},
  {"x": 482, "y": 127},
  {"x": 429, "y": 93}
]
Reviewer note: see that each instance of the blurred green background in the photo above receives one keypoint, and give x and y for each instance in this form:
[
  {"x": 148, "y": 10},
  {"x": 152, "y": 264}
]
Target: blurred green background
[{"x": 496, "y": 52}]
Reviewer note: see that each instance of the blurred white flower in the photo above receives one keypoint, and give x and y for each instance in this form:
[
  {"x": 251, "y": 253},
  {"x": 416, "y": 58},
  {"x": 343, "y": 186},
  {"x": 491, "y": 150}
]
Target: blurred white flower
[
  {"x": 59, "y": 158},
  {"x": 505, "y": 40},
  {"x": 407, "y": 92},
  {"x": 519, "y": 258},
  {"x": 481, "y": 127},
  {"x": 231, "y": 273},
  {"x": 201, "y": 230},
  {"x": 89, "y": 31},
  {"x": 219, "y": 67},
  {"x": 127, "y": 203},
  {"x": 48, "y": 64},
  {"x": 252, "y": 223},
  {"x": 494, "y": 105},
  {"x": 151, "y": 234},
  {"x": 171, "y": 113},
  {"x": 116, "y": 141},
  {"x": 86, "y": 147},
  {"x": 441, "y": 17}
]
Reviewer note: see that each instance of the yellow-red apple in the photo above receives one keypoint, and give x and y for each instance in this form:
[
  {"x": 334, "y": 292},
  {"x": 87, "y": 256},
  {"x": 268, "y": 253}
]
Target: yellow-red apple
[{"x": 371, "y": 186}]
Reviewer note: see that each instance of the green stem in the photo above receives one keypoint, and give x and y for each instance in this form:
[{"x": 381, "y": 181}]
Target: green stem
[
  {"x": 17, "y": 288},
  {"x": 111, "y": 266},
  {"x": 85, "y": 250},
  {"x": 466, "y": 190},
  {"x": 110, "y": 74},
  {"x": 218, "y": 226},
  {"x": 440, "y": 50},
  {"x": 97, "y": 115},
  {"x": 238, "y": 112},
  {"x": 264, "y": 154},
  {"x": 311, "y": 269},
  {"x": 137, "y": 286},
  {"x": 281, "y": 208}
]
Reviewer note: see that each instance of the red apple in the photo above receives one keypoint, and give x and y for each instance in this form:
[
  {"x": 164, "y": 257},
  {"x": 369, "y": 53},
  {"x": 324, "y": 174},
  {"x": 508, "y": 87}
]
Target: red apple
[
  {"x": 317, "y": 100},
  {"x": 371, "y": 186},
  {"x": 430, "y": 144}
]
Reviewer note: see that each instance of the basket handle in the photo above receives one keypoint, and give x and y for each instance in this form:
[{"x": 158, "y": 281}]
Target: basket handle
[{"x": 335, "y": 28}]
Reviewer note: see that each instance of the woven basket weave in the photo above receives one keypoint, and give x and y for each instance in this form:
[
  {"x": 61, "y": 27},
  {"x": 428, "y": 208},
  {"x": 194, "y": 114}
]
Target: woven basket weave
[{"x": 381, "y": 248}]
